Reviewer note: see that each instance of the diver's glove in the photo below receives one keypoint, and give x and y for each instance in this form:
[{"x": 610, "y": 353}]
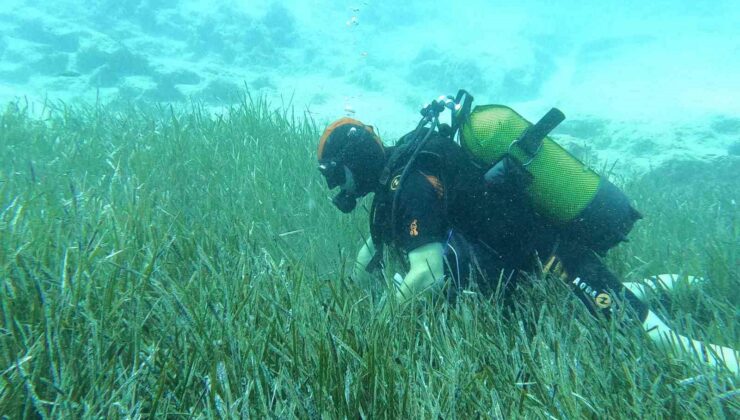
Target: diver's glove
[
  {"x": 397, "y": 281},
  {"x": 425, "y": 273},
  {"x": 359, "y": 271}
]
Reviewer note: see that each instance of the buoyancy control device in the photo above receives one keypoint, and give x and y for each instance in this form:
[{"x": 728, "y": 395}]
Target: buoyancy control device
[{"x": 589, "y": 209}]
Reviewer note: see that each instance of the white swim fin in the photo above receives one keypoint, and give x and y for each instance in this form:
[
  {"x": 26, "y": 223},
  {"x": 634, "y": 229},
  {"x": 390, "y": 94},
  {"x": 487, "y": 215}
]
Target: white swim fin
[
  {"x": 661, "y": 282},
  {"x": 669, "y": 340}
]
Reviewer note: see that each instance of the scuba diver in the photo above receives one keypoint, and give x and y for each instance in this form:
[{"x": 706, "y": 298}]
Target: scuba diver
[{"x": 502, "y": 199}]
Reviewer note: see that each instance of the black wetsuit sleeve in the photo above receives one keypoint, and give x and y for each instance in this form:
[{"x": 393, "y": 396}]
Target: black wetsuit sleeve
[
  {"x": 596, "y": 286},
  {"x": 421, "y": 217}
]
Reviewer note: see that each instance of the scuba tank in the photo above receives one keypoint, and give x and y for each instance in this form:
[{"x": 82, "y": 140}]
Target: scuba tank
[{"x": 591, "y": 210}]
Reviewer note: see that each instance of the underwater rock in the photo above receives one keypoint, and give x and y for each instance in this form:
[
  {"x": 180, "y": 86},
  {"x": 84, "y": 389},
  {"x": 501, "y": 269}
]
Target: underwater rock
[
  {"x": 51, "y": 64},
  {"x": 734, "y": 148},
  {"x": 280, "y": 25},
  {"x": 445, "y": 73},
  {"x": 722, "y": 172},
  {"x": 20, "y": 74},
  {"x": 110, "y": 67},
  {"x": 69, "y": 73},
  {"x": 238, "y": 38},
  {"x": 605, "y": 48},
  {"x": 227, "y": 37},
  {"x": 164, "y": 92},
  {"x": 36, "y": 31},
  {"x": 642, "y": 146},
  {"x": 394, "y": 14},
  {"x": 580, "y": 150},
  {"x": 582, "y": 128},
  {"x": 312, "y": 56},
  {"x": 105, "y": 76},
  {"x": 128, "y": 92},
  {"x": 366, "y": 80},
  {"x": 208, "y": 37},
  {"x": 262, "y": 82},
  {"x": 319, "y": 99},
  {"x": 157, "y": 17},
  {"x": 180, "y": 77},
  {"x": 142, "y": 12},
  {"x": 121, "y": 61},
  {"x": 220, "y": 91},
  {"x": 726, "y": 125},
  {"x": 170, "y": 24},
  {"x": 338, "y": 71},
  {"x": 526, "y": 82},
  {"x": 114, "y": 9}
]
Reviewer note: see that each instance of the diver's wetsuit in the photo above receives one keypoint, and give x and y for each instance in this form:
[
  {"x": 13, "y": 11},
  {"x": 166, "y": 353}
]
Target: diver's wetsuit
[{"x": 492, "y": 230}]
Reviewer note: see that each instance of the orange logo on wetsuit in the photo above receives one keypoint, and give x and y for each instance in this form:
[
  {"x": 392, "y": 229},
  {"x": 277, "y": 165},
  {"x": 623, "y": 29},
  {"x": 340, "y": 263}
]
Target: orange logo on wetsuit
[
  {"x": 413, "y": 229},
  {"x": 436, "y": 184}
]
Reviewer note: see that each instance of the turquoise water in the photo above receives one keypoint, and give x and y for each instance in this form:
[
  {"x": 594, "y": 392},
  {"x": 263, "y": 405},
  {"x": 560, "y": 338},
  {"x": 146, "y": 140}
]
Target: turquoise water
[
  {"x": 617, "y": 60},
  {"x": 167, "y": 247}
]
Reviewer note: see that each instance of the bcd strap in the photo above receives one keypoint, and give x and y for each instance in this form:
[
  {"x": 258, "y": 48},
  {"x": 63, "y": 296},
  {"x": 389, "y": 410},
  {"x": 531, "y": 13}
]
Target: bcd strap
[
  {"x": 399, "y": 152},
  {"x": 410, "y": 150}
]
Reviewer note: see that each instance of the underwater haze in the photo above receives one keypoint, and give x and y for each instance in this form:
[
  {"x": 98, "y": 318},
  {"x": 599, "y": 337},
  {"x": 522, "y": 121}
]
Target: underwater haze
[
  {"x": 651, "y": 75},
  {"x": 168, "y": 248}
]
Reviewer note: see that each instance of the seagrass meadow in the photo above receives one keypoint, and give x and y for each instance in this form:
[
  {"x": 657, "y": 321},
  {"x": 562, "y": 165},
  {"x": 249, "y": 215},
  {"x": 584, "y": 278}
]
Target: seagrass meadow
[{"x": 161, "y": 262}]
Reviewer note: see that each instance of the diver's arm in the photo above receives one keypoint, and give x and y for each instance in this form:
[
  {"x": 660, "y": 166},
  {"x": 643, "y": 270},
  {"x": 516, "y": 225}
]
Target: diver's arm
[
  {"x": 364, "y": 256},
  {"x": 426, "y": 267}
]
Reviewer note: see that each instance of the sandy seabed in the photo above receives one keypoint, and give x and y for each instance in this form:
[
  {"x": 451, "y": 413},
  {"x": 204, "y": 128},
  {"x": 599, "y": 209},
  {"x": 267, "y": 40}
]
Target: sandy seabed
[{"x": 639, "y": 87}]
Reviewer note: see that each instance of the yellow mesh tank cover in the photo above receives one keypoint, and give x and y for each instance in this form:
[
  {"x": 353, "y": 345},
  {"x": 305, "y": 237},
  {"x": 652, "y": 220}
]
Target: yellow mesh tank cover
[{"x": 561, "y": 185}]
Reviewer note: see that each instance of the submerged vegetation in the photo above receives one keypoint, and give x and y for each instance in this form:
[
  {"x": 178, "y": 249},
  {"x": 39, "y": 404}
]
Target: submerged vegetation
[{"x": 164, "y": 262}]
